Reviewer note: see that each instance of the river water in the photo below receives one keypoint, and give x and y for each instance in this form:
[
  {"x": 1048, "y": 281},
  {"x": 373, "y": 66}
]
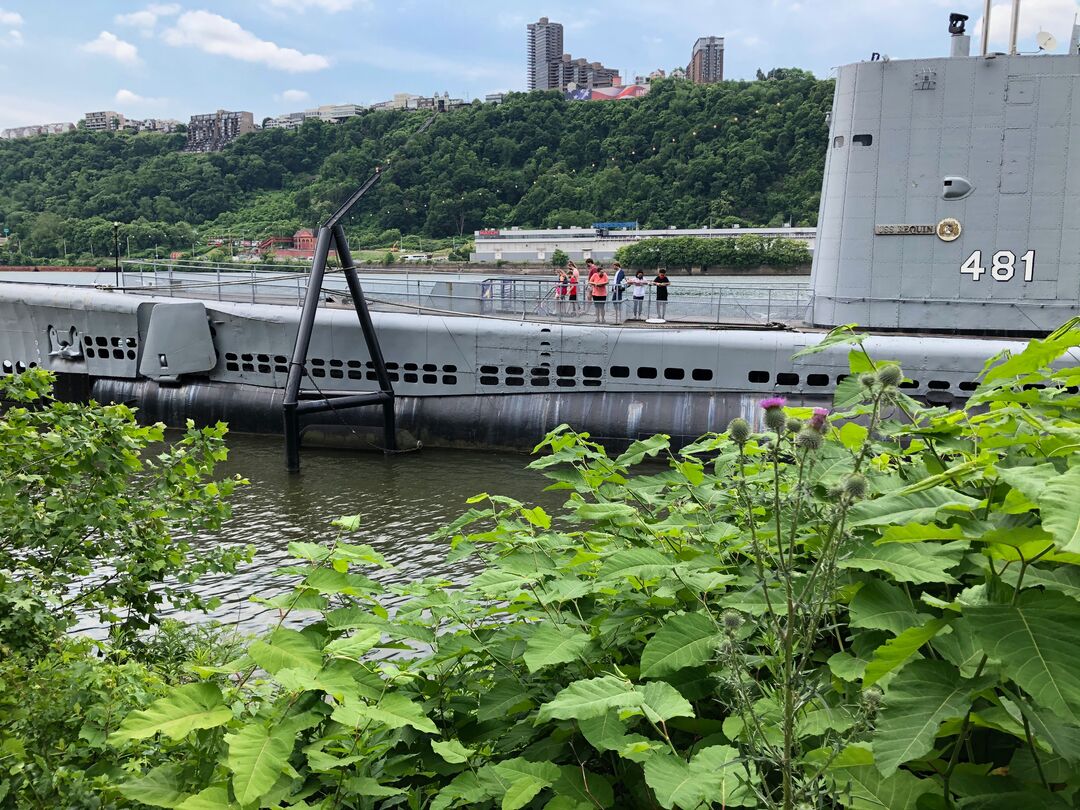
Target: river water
[{"x": 401, "y": 499}]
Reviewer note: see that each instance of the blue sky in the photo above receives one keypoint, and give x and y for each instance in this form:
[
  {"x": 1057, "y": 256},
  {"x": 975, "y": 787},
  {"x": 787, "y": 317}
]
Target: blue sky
[{"x": 60, "y": 58}]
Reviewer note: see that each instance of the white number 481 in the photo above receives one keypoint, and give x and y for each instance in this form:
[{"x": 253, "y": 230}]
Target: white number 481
[{"x": 1002, "y": 266}]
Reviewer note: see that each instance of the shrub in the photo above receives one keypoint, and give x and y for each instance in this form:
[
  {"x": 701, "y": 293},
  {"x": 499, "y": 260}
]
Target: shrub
[
  {"x": 91, "y": 505},
  {"x": 870, "y": 608}
]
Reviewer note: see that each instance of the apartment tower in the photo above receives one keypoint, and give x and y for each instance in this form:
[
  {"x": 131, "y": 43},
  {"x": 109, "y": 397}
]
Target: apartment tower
[
  {"x": 706, "y": 61},
  {"x": 545, "y": 50}
]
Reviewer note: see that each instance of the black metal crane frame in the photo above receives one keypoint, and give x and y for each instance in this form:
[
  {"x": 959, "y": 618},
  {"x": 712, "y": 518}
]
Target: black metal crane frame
[{"x": 332, "y": 234}]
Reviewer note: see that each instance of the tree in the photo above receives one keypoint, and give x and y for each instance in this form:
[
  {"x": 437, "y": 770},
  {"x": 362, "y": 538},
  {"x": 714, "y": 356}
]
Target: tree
[
  {"x": 97, "y": 517},
  {"x": 559, "y": 258}
]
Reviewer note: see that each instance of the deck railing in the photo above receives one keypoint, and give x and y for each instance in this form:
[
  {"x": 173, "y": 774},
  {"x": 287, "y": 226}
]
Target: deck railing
[{"x": 751, "y": 302}]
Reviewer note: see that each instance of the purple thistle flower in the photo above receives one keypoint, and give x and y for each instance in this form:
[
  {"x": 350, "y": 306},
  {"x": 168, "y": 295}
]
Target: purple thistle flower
[
  {"x": 773, "y": 402},
  {"x": 817, "y": 420}
]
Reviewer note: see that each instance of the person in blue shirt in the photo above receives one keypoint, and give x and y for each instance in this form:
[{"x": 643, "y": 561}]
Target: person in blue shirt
[{"x": 618, "y": 280}]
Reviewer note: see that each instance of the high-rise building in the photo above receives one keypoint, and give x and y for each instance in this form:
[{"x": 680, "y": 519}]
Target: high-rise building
[
  {"x": 544, "y": 48},
  {"x": 104, "y": 120},
  {"x": 212, "y": 131},
  {"x": 706, "y": 61}
]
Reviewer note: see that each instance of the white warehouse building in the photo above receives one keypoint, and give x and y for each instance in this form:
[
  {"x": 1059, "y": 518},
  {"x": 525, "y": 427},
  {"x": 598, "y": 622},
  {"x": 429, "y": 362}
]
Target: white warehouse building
[{"x": 599, "y": 244}]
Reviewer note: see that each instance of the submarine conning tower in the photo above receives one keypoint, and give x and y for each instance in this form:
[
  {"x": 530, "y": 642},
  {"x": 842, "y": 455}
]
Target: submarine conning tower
[{"x": 951, "y": 196}]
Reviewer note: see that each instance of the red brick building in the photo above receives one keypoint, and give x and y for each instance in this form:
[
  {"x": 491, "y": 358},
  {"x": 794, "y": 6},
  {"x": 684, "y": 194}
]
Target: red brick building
[{"x": 301, "y": 245}]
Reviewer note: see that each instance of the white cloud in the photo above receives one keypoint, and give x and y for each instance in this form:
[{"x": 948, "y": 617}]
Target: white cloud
[
  {"x": 147, "y": 18},
  {"x": 12, "y": 18},
  {"x": 1055, "y": 16},
  {"x": 294, "y": 96},
  {"x": 110, "y": 45},
  {"x": 333, "y": 6},
  {"x": 221, "y": 36},
  {"x": 125, "y": 96}
]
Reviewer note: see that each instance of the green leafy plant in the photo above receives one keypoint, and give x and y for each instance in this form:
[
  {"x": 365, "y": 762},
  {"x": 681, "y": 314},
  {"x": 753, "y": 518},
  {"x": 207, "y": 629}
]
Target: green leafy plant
[
  {"x": 96, "y": 513},
  {"x": 871, "y": 608}
]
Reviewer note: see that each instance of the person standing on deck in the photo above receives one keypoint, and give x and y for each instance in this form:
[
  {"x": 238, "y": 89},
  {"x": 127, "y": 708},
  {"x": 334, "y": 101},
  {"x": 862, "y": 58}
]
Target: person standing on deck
[
  {"x": 661, "y": 282},
  {"x": 560, "y": 292},
  {"x": 618, "y": 282},
  {"x": 571, "y": 287},
  {"x": 598, "y": 283},
  {"x": 639, "y": 284}
]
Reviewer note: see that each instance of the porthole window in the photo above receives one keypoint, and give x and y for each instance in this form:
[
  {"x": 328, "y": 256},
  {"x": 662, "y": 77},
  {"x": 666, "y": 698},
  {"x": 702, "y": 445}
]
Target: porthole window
[
  {"x": 449, "y": 379},
  {"x": 938, "y": 385},
  {"x": 758, "y": 376},
  {"x": 450, "y": 369},
  {"x": 566, "y": 371},
  {"x": 620, "y": 371},
  {"x": 646, "y": 373},
  {"x": 838, "y": 141},
  {"x": 489, "y": 369},
  {"x": 702, "y": 374},
  {"x": 909, "y": 384},
  {"x": 516, "y": 371},
  {"x": 674, "y": 373},
  {"x": 409, "y": 377},
  {"x": 864, "y": 139},
  {"x": 968, "y": 385},
  {"x": 431, "y": 379},
  {"x": 787, "y": 378},
  {"x": 489, "y": 380},
  {"x": 818, "y": 380},
  {"x": 593, "y": 372},
  {"x": 515, "y": 381},
  {"x": 562, "y": 383},
  {"x": 411, "y": 367},
  {"x": 335, "y": 373},
  {"x": 430, "y": 367}
]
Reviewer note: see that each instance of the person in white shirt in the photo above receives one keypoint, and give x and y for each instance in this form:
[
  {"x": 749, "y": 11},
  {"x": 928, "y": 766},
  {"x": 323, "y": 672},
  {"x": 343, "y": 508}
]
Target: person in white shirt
[{"x": 639, "y": 284}]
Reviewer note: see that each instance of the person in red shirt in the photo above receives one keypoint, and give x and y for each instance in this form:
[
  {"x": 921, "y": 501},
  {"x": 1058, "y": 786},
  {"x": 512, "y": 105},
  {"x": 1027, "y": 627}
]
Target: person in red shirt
[
  {"x": 598, "y": 282},
  {"x": 571, "y": 287}
]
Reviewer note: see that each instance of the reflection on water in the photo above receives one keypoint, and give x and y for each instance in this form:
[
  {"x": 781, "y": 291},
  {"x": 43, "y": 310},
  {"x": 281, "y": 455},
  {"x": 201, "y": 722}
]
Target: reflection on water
[{"x": 402, "y": 500}]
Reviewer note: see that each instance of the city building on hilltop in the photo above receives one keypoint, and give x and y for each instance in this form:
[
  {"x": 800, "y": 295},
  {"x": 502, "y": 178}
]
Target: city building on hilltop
[
  {"x": 707, "y": 61},
  {"x": 152, "y": 125},
  {"x": 656, "y": 74},
  {"x": 333, "y": 113},
  {"x": 550, "y": 68},
  {"x": 544, "y": 50},
  {"x": 576, "y": 74},
  {"x": 36, "y": 129},
  {"x": 104, "y": 121},
  {"x": 495, "y": 98},
  {"x": 211, "y": 132},
  {"x": 678, "y": 74},
  {"x": 285, "y": 121}
]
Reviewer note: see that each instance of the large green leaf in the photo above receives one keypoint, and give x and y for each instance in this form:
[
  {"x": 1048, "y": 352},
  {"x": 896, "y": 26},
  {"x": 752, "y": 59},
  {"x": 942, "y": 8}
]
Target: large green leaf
[
  {"x": 505, "y": 699},
  {"x": 1036, "y": 642},
  {"x": 575, "y": 784},
  {"x": 895, "y": 652},
  {"x": 713, "y": 775},
  {"x": 919, "y": 699},
  {"x": 686, "y": 640},
  {"x": 906, "y": 562},
  {"x": 1059, "y": 504},
  {"x": 554, "y": 644},
  {"x": 1064, "y": 579},
  {"x": 161, "y": 787},
  {"x": 355, "y": 645},
  {"x": 393, "y": 711},
  {"x": 1029, "y": 481},
  {"x": 881, "y": 606},
  {"x": 862, "y": 787},
  {"x": 642, "y": 563},
  {"x": 915, "y": 507},
  {"x": 257, "y": 757},
  {"x": 185, "y": 708},
  {"x": 286, "y": 649},
  {"x": 215, "y": 797},
  {"x": 662, "y": 701},
  {"x": 590, "y": 698}
]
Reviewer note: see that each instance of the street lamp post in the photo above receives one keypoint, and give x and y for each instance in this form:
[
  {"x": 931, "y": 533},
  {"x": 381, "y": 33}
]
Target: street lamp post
[{"x": 116, "y": 251}]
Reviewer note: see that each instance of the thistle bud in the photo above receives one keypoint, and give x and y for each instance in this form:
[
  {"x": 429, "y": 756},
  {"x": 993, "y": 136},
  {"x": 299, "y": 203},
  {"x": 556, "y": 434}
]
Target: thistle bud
[
  {"x": 794, "y": 425},
  {"x": 871, "y": 699},
  {"x": 776, "y": 419},
  {"x": 868, "y": 380},
  {"x": 808, "y": 439},
  {"x": 739, "y": 431},
  {"x": 855, "y": 486},
  {"x": 890, "y": 375},
  {"x": 732, "y": 620}
]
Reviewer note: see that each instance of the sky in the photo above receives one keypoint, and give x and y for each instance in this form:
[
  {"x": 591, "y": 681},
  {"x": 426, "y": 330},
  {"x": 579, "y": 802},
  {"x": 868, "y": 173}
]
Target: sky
[{"x": 62, "y": 58}]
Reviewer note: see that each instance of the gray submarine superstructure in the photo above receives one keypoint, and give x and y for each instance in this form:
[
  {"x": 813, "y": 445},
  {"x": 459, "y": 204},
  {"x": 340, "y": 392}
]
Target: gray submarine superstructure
[{"x": 949, "y": 229}]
